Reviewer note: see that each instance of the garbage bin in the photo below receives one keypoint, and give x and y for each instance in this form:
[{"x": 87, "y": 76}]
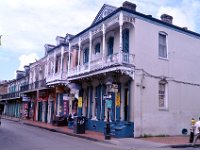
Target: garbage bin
[{"x": 79, "y": 125}]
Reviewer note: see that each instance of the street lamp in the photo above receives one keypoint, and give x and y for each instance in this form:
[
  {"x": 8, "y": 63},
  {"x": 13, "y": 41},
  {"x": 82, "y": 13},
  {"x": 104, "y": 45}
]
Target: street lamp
[{"x": 108, "y": 99}]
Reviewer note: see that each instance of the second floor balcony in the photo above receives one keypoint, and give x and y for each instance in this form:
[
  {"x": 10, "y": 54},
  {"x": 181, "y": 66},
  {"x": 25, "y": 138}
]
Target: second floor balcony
[
  {"x": 33, "y": 86},
  {"x": 12, "y": 95},
  {"x": 117, "y": 59}
]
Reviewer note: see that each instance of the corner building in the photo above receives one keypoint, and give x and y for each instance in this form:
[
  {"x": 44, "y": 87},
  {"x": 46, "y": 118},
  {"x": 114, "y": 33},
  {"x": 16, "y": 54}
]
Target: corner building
[{"x": 153, "y": 64}]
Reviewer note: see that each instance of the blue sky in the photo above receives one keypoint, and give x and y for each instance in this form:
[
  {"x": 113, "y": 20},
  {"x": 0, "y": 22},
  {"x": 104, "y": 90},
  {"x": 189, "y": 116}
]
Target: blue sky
[{"x": 27, "y": 25}]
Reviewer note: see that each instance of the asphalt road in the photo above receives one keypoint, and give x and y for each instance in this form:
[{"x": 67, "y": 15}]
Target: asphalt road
[{"x": 17, "y": 136}]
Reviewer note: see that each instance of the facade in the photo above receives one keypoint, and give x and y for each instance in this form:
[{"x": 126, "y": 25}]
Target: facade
[
  {"x": 13, "y": 98},
  {"x": 3, "y": 90},
  {"x": 135, "y": 71}
]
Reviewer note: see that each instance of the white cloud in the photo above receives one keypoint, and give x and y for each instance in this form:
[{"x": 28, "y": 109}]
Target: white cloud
[
  {"x": 26, "y": 60},
  {"x": 185, "y": 14}
]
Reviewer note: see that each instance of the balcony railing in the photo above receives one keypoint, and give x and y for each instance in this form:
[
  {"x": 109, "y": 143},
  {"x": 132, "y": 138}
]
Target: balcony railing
[
  {"x": 56, "y": 77},
  {"x": 11, "y": 95},
  {"x": 99, "y": 63},
  {"x": 36, "y": 85}
]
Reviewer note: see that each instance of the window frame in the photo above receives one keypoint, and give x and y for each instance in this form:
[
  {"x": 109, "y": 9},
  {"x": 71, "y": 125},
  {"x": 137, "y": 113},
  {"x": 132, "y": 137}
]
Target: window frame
[
  {"x": 109, "y": 46},
  {"x": 162, "y": 33},
  {"x": 164, "y": 83},
  {"x": 85, "y": 55},
  {"x": 125, "y": 34},
  {"x": 99, "y": 46}
]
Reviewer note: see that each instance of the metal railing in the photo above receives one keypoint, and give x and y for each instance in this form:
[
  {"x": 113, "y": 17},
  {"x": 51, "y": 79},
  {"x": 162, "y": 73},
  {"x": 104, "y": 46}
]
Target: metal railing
[
  {"x": 11, "y": 95},
  {"x": 120, "y": 58},
  {"x": 34, "y": 85}
]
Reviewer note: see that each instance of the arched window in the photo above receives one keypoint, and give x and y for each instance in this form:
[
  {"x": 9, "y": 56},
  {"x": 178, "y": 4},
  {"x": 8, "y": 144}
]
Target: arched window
[
  {"x": 125, "y": 39},
  {"x": 110, "y": 45},
  {"x": 85, "y": 55}
]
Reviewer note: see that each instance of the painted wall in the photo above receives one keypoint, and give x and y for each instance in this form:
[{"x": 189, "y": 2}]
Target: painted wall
[{"x": 181, "y": 65}]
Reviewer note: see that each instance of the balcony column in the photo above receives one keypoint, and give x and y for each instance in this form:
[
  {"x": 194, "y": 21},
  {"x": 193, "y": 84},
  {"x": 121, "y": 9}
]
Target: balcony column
[
  {"x": 54, "y": 64},
  {"x": 90, "y": 49},
  {"x": 69, "y": 59},
  {"x": 61, "y": 62},
  {"x": 104, "y": 41},
  {"x": 79, "y": 54},
  {"x": 47, "y": 66},
  {"x": 120, "y": 35}
]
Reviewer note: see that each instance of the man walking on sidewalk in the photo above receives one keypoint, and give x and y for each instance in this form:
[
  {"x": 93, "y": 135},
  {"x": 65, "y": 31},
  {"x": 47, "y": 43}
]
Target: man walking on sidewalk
[{"x": 197, "y": 132}]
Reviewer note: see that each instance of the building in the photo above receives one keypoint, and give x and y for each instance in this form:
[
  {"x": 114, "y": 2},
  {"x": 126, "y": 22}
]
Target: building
[
  {"x": 135, "y": 71},
  {"x": 3, "y": 90},
  {"x": 13, "y": 98}
]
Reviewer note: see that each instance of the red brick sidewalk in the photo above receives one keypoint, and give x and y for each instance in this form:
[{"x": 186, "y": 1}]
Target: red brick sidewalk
[{"x": 95, "y": 136}]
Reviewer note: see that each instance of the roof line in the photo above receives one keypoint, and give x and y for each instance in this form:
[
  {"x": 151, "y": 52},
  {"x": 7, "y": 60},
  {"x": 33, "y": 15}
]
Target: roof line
[{"x": 139, "y": 14}]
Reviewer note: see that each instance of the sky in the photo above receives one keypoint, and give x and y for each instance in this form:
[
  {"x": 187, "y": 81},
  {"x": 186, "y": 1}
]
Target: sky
[{"x": 27, "y": 25}]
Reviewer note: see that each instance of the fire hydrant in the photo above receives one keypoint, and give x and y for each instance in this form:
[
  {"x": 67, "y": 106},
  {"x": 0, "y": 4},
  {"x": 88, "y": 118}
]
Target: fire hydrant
[{"x": 193, "y": 121}]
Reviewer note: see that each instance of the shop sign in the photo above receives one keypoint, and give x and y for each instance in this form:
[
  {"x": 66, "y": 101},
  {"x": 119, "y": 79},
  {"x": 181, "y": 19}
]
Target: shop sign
[
  {"x": 67, "y": 97},
  {"x": 26, "y": 99},
  {"x": 80, "y": 102},
  {"x": 118, "y": 100}
]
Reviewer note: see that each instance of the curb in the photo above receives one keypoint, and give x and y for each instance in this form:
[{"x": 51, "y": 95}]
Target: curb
[
  {"x": 181, "y": 146},
  {"x": 66, "y": 133},
  {"x": 10, "y": 119}
]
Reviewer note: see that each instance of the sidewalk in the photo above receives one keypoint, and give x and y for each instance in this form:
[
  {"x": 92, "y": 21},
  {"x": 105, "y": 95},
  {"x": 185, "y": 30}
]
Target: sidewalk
[{"x": 171, "y": 141}]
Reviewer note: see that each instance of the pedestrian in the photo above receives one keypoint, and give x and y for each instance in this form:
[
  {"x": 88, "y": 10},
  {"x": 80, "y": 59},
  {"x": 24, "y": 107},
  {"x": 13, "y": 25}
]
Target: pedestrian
[
  {"x": 192, "y": 129},
  {"x": 197, "y": 131}
]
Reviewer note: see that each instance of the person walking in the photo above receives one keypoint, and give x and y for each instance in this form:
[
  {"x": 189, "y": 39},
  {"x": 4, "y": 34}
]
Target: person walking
[{"x": 197, "y": 131}]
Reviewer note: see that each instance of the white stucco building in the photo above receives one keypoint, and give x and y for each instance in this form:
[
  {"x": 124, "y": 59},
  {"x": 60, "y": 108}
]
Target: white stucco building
[{"x": 149, "y": 67}]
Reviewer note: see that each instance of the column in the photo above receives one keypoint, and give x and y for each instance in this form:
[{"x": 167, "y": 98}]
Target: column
[
  {"x": 69, "y": 59},
  {"x": 122, "y": 103},
  {"x": 61, "y": 62},
  {"x": 79, "y": 53},
  {"x": 120, "y": 30},
  {"x": 104, "y": 40},
  {"x": 54, "y": 64},
  {"x": 90, "y": 48},
  {"x": 47, "y": 66},
  {"x": 120, "y": 36}
]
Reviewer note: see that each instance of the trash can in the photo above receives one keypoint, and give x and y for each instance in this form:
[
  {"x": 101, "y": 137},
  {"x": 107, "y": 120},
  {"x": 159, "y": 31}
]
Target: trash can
[{"x": 79, "y": 125}]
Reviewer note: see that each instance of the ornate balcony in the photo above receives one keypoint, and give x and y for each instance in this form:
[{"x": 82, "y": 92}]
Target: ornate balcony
[
  {"x": 57, "y": 78},
  {"x": 117, "y": 59},
  {"x": 12, "y": 95},
  {"x": 33, "y": 86}
]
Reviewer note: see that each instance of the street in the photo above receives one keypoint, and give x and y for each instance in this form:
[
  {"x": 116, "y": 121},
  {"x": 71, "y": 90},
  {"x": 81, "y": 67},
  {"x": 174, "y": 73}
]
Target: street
[{"x": 17, "y": 136}]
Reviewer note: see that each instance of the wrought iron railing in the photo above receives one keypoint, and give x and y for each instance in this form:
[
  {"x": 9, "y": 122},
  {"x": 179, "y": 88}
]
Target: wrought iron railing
[
  {"x": 120, "y": 58},
  {"x": 11, "y": 95},
  {"x": 34, "y": 85}
]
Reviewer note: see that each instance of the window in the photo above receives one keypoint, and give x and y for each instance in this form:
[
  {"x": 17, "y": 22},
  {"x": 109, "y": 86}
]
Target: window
[
  {"x": 58, "y": 63},
  {"x": 85, "y": 55},
  {"x": 162, "y": 45},
  {"x": 163, "y": 94},
  {"x": 125, "y": 38},
  {"x": 110, "y": 45},
  {"x": 97, "y": 48}
]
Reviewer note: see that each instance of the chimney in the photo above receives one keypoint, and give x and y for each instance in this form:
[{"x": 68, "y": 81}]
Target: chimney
[
  {"x": 60, "y": 40},
  {"x": 129, "y": 5},
  {"x": 19, "y": 74},
  {"x": 48, "y": 47},
  {"x": 26, "y": 69},
  {"x": 166, "y": 18}
]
